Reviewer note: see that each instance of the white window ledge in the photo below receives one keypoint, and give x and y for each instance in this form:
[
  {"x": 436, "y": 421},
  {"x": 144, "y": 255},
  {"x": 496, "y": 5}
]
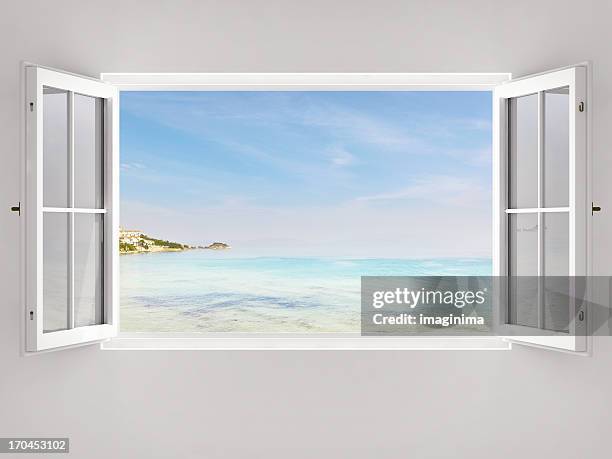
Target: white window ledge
[{"x": 324, "y": 341}]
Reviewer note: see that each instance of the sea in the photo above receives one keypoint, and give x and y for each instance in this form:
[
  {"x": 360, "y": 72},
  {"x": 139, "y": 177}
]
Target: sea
[{"x": 225, "y": 291}]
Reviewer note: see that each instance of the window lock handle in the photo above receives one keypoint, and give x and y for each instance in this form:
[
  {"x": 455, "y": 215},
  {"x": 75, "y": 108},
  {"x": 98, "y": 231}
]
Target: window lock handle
[
  {"x": 594, "y": 208},
  {"x": 17, "y": 208}
]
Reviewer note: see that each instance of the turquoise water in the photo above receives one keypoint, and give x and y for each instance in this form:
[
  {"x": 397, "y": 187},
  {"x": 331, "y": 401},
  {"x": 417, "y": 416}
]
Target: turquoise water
[{"x": 207, "y": 291}]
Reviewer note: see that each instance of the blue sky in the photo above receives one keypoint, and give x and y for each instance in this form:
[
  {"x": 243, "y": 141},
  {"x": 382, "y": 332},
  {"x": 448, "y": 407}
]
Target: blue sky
[{"x": 346, "y": 173}]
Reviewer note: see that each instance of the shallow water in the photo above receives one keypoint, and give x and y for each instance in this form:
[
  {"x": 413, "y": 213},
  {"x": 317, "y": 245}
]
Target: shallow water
[{"x": 207, "y": 291}]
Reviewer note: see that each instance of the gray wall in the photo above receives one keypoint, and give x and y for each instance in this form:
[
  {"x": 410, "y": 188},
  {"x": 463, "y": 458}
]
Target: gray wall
[{"x": 524, "y": 403}]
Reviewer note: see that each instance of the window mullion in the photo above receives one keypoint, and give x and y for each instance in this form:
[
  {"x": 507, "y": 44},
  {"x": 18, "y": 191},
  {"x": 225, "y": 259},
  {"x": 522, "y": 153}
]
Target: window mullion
[
  {"x": 71, "y": 206},
  {"x": 541, "y": 266}
]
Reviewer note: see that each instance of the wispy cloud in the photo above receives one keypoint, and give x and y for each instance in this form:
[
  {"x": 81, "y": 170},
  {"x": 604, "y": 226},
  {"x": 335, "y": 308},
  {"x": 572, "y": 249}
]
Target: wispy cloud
[
  {"x": 340, "y": 157},
  {"x": 356, "y": 126},
  {"x": 193, "y": 115},
  {"x": 132, "y": 166},
  {"x": 471, "y": 156},
  {"x": 443, "y": 189}
]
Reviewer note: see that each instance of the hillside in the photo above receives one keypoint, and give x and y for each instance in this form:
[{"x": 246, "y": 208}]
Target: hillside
[
  {"x": 218, "y": 246},
  {"x": 135, "y": 241}
]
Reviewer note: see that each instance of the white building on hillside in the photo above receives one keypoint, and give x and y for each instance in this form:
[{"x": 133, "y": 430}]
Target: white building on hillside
[{"x": 130, "y": 236}]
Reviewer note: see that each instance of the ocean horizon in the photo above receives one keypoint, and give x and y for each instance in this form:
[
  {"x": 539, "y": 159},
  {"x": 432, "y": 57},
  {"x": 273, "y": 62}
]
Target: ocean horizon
[{"x": 212, "y": 291}]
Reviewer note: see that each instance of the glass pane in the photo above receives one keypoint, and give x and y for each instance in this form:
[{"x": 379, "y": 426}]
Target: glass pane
[
  {"x": 556, "y": 148},
  {"x": 523, "y": 256},
  {"x": 556, "y": 244},
  {"x": 55, "y": 147},
  {"x": 88, "y": 147},
  {"x": 523, "y": 239},
  {"x": 88, "y": 269},
  {"x": 556, "y": 263},
  {"x": 55, "y": 271},
  {"x": 523, "y": 151}
]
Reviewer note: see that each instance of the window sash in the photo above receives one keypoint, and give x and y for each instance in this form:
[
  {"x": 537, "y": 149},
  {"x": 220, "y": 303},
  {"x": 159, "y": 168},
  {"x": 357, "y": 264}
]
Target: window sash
[
  {"x": 575, "y": 79},
  {"x": 35, "y": 339}
]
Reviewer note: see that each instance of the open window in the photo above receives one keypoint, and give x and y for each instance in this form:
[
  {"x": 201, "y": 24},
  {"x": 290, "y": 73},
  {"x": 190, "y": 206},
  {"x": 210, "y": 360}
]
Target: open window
[
  {"x": 541, "y": 207},
  {"x": 540, "y": 199},
  {"x": 71, "y": 209}
]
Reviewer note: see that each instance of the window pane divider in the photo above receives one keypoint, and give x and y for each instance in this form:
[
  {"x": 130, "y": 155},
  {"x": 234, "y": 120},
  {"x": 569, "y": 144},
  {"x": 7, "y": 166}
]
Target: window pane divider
[
  {"x": 72, "y": 210},
  {"x": 535, "y": 210},
  {"x": 71, "y": 214},
  {"x": 541, "y": 134}
]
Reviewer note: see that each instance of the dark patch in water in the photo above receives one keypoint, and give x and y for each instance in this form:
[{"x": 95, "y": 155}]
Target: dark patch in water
[{"x": 199, "y": 304}]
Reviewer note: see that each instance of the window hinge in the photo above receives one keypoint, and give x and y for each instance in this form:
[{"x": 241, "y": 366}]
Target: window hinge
[
  {"x": 581, "y": 107},
  {"x": 31, "y": 106},
  {"x": 17, "y": 208},
  {"x": 31, "y": 315},
  {"x": 594, "y": 208}
]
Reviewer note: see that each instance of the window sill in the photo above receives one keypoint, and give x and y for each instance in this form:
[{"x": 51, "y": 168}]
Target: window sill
[{"x": 323, "y": 341}]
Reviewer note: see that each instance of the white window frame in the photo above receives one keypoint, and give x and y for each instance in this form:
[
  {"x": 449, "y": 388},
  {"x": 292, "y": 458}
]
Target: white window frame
[
  {"x": 35, "y": 77},
  {"x": 302, "y": 82},
  {"x": 576, "y": 78}
]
